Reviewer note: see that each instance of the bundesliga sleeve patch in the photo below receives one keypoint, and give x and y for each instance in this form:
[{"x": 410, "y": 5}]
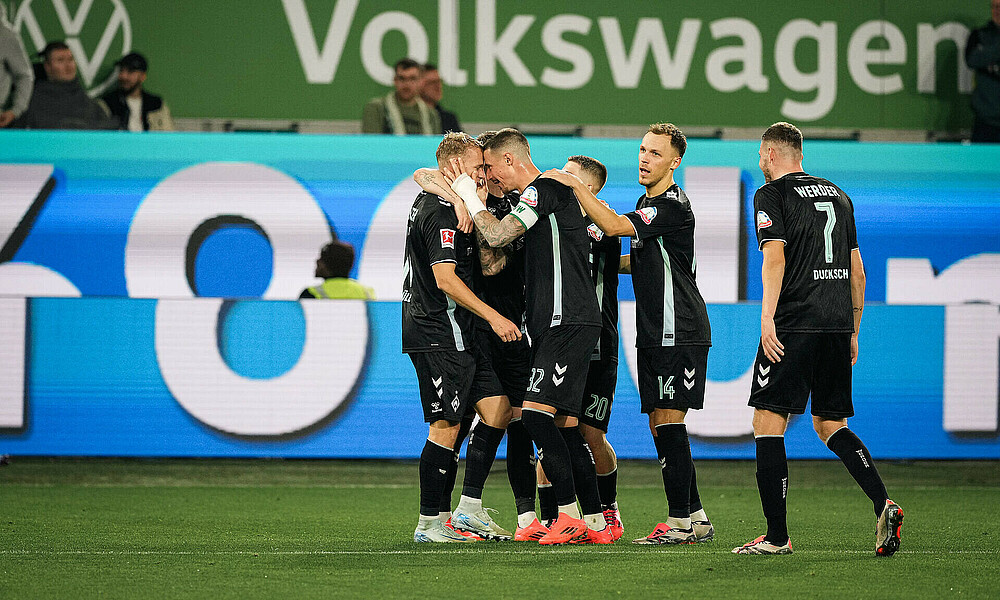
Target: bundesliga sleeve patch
[
  {"x": 595, "y": 232},
  {"x": 448, "y": 238},
  {"x": 763, "y": 221},
  {"x": 530, "y": 196},
  {"x": 647, "y": 214}
]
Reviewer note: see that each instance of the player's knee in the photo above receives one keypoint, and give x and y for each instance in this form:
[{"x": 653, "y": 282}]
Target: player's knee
[
  {"x": 443, "y": 433},
  {"x": 593, "y": 436},
  {"x": 824, "y": 428}
]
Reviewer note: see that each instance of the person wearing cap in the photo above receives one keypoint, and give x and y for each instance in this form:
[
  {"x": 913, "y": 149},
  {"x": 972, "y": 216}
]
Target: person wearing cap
[
  {"x": 59, "y": 101},
  {"x": 16, "y": 76},
  {"x": 334, "y": 265},
  {"x": 134, "y": 107}
]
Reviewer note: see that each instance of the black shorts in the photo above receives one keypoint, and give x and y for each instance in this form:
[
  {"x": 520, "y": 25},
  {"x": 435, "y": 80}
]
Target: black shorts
[
  {"x": 599, "y": 394},
  {"x": 672, "y": 377},
  {"x": 485, "y": 382},
  {"x": 445, "y": 380},
  {"x": 508, "y": 361},
  {"x": 813, "y": 362},
  {"x": 560, "y": 360}
]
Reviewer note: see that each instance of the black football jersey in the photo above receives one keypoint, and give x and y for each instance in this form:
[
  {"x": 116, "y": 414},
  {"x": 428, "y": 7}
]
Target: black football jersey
[
  {"x": 505, "y": 290},
  {"x": 815, "y": 220},
  {"x": 432, "y": 320},
  {"x": 558, "y": 289},
  {"x": 669, "y": 309},
  {"x": 605, "y": 256}
]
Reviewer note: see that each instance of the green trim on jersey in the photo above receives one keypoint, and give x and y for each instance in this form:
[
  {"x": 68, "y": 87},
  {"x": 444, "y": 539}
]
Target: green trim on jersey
[
  {"x": 557, "y": 286},
  {"x": 668, "y": 298},
  {"x": 456, "y": 331}
]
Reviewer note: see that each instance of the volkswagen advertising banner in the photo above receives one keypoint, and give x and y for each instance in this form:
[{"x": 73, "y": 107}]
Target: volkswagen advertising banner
[
  {"x": 148, "y": 286},
  {"x": 888, "y": 64}
]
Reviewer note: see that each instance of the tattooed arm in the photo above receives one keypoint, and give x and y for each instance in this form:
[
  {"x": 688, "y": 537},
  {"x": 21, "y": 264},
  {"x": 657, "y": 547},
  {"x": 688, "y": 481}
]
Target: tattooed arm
[
  {"x": 498, "y": 233},
  {"x": 431, "y": 181},
  {"x": 492, "y": 260}
]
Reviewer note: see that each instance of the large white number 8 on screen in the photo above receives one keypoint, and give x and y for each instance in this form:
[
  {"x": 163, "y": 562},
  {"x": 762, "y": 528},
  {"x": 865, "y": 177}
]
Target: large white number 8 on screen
[
  {"x": 831, "y": 220},
  {"x": 336, "y": 332}
]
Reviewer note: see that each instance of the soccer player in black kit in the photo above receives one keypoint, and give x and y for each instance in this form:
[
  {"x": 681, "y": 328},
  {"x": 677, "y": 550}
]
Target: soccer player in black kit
[
  {"x": 498, "y": 279},
  {"x": 602, "y": 377},
  {"x": 814, "y": 295},
  {"x": 563, "y": 324},
  {"x": 673, "y": 334},
  {"x": 438, "y": 307}
]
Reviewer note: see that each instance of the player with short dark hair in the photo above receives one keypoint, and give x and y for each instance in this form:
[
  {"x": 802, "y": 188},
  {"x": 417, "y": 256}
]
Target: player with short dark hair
[
  {"x": 438, "y": 331},
  {"x": 563, "y": 323},
  {"x": 814, "y": 295},
  {"x": 674, "y": 334},
  {"x": 602, "y": 376}
]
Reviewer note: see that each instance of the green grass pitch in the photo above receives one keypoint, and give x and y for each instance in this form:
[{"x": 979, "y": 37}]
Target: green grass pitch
[{"x": 343, "y": 529}]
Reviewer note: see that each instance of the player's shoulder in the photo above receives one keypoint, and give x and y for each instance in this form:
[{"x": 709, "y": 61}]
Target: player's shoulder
[
  {"x": 673, "y": 200},
  {"x": 772, "y": 190},
  {"x": 544, "y": 185},
  {"x": 433, "y": 207}
]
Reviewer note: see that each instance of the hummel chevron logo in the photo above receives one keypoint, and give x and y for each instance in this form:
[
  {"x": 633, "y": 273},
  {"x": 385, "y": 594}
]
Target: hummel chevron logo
[
  {"x": 557, "y": 380},
  {"x": 689, "y": 374},
  {"x": 560, "y": 370},
  {"x": 763, "y": 370},
  {"x": 437, "y": 382},
  {"x": 763, "y": 382},
  {"x": 539, "y": 453},
  {"x": 689, "y": 384},
  {"x": 440, "y": 392},
  {"x": 663, "y": 463}
]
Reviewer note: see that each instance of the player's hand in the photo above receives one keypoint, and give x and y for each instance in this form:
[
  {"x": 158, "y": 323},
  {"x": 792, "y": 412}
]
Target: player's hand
[
  {"x": 449, "y": 175},
  {"x": 773, "y": 349},
  {"x": 465, "y": 222},
  {"x": 854, "y": 349},
  {"x": 563, "y": 177},
  {"x": 504, "y": 328},
  {"x": 6, "y": 118}
]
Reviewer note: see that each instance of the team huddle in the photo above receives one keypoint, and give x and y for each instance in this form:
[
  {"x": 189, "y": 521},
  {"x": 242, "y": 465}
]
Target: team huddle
[{"x": 510, "y": 311}]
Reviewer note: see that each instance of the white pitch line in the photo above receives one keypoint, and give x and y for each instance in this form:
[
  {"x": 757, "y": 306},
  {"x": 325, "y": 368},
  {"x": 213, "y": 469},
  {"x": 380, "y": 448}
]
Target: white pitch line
[
  {"x": 403, "y": 486},
  {"x": 573, "y": 551}
]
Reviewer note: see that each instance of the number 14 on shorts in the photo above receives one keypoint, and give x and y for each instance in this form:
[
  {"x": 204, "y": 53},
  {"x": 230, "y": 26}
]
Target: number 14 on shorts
[{"x": 666, "y": 388}]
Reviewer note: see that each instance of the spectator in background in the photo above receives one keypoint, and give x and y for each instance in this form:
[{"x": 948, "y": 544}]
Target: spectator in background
[
  {"x": 982, "y": 54},
  {"x": 59, "y": 101},
  {"x": 401, "y": 111},
  {"x": 134, "y": 107},
  {"x": 431, "y": 92},
  {"x": 16, "y": 75},
  {"x": 334, "y": 264}
]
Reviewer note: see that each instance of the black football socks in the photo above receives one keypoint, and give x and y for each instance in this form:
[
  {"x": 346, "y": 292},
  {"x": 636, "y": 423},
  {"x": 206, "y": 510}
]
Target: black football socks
[
  {"x": 695, "y": 501},
  {"x": 483, "y": 443},
  {"x": 674, "y": 452},
  {"x": 772, "y": 482},
  {"x": 584, "y": 472},
  {"x": 553, "y": 454},
  {"x": 435, "y": 461},
  {"x": 547, "y": 505},
  {"x": 859, "y": 463},
  {"x": 449, "y": 485},
  {"x": 607, "y": 486},
  {"x": 521, "y": 466}
]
